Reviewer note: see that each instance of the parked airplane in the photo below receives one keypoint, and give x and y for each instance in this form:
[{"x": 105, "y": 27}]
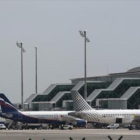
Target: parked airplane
[
  {"x": 50, "y": 117},
  {"x": 86, "y": 112}
]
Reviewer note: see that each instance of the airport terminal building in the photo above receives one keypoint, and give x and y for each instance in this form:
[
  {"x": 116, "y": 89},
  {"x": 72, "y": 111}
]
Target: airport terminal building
[{"x": 112, "y": 91}]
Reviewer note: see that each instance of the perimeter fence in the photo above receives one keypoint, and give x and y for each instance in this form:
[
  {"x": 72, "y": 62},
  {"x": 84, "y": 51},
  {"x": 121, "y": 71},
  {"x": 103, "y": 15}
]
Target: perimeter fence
[{"x": 85, "y": 138}]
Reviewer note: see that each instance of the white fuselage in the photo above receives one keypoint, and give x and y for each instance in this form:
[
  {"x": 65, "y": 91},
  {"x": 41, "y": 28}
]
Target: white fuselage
[
  {"x": 49, "y": 115},
  {"x": 109, "y": 116}
]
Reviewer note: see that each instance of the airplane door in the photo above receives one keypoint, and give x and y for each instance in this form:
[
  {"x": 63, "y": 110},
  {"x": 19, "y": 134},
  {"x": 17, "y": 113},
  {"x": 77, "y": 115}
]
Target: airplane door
[{"x": 118, "y": 120}]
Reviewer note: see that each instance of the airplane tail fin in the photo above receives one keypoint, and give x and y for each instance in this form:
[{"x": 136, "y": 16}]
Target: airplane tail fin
[
  {"x": 79, "y": 103},
  {"x": 6, "y": 105}
]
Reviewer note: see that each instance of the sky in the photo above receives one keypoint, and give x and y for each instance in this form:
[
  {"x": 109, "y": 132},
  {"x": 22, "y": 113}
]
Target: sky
[{"x": 113, "y": 28}]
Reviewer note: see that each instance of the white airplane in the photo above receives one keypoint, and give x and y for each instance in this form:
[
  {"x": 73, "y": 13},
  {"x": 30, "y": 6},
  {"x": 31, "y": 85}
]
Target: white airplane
[
  {"x": 85, "y": 111},
  {"x": 49, "y": 117}
]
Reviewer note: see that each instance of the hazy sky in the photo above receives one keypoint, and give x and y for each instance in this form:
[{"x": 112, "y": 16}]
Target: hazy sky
[{"x": 113, "y": 28}]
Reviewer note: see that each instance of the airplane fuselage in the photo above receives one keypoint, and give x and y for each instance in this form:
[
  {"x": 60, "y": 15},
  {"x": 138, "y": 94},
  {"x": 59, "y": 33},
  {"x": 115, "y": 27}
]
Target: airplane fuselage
[
  {"x": 55, "y": 117},
  {"x": 110, "y": 116}
]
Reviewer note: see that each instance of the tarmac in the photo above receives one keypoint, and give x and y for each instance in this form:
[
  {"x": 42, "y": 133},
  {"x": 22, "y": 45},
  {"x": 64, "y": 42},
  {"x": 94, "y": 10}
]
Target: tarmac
[{"x": 75, "y": 134}]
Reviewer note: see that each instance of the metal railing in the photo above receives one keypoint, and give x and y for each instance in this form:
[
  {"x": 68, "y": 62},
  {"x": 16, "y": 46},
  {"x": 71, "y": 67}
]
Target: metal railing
[{"x": 85, "y": 138}]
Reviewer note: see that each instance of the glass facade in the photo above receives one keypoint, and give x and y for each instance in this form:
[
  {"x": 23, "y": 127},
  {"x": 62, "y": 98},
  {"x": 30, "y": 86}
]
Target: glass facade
[
  {"x": 69, "y": 106},
  {"x": 118, "y": 91},
  {"x": 66, "y": 96},
  {"x": 92, "y": 86},
  {"x": 48, "y": 97},
  {"x": 106, "y": 92},
  {"x": 134, "y": 101}
]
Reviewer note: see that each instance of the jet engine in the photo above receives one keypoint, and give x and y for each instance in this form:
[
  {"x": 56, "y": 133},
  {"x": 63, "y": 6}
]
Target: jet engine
[{"x": 79, "y": 123}]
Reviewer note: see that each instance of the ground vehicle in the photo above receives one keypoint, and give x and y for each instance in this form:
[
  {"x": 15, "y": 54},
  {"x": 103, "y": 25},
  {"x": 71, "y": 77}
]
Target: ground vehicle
[
  {"x": 70, "y": 127},
  {"x": 2, "y": 126},
  {"x": 126, "y": 125},
  {"x": 134, "y": 127},
  {"x": 31, "y": 126},
  {"x": 113, "y": 126}
]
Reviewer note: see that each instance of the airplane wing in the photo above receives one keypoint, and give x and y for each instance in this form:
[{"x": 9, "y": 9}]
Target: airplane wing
[{"x": 75, "y": 114}]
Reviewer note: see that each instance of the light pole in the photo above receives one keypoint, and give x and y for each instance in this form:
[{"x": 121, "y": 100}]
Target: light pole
[
  {"x": 36, "y": 69},
  {"x": 20, "y": 45},
  {"x": 83, "y": 34}
]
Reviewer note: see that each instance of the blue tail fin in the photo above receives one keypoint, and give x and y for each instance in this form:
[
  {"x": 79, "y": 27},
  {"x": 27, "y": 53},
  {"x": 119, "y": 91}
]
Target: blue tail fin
[{"x": 6, "y": 105}]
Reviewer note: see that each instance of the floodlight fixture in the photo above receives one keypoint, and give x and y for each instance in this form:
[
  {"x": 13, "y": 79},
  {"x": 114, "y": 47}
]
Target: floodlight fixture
[
  {"x": 19, "y": 44},
  {"x": 81, "y": 33}
]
